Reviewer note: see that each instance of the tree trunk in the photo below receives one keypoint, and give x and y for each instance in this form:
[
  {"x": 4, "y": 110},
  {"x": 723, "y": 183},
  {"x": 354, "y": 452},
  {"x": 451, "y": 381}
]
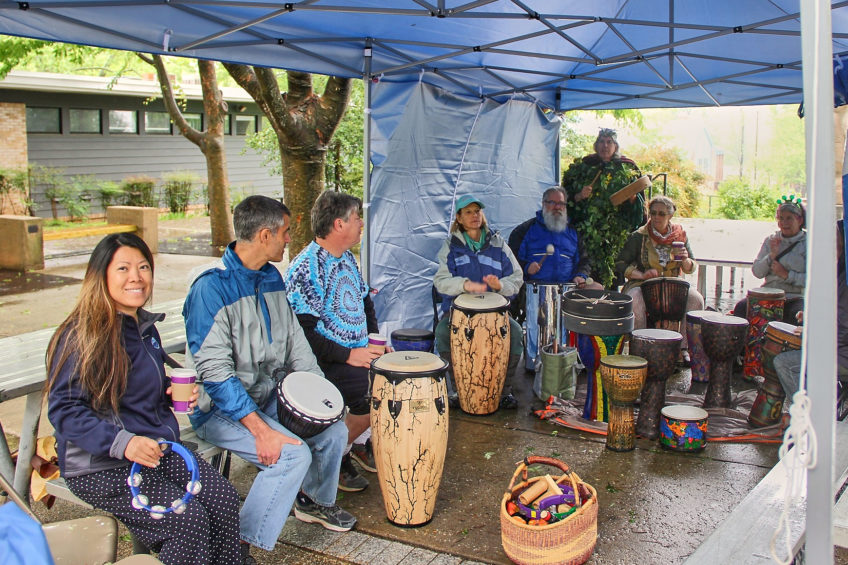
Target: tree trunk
[
  {"x": 218, "y": 190},
  {"x": 302, "y": 168}
]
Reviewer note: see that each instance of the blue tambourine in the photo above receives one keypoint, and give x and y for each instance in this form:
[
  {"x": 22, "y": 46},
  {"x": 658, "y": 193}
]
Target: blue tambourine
[{"x": 157, "y": 512}]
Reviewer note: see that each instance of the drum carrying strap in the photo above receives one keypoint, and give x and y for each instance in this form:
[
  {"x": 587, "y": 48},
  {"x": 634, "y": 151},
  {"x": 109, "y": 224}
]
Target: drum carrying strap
[{"x": 785, "y": 251}]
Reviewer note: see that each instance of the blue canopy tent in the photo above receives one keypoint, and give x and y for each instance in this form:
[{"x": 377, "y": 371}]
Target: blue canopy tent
[{"x": 510, "y": 60}]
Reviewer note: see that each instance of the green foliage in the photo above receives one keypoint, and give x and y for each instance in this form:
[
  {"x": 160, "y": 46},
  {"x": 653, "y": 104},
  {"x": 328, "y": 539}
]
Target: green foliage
[
  {"x": 51, "y": 178},
  {"x": 684, "y": 179},
  {"x": 14, "y": 191},
  {"x": 739, "y": 201},
  {"x": 239, "y": 193},
  {"x": 109, "y": 192},
  {"x": 139, "y": 191},
  {"x": 178, "y": 188}
]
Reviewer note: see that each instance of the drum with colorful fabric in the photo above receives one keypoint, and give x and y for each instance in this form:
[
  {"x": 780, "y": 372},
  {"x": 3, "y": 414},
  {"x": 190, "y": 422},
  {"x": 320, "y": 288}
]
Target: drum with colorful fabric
[
  {"x": 665, "y": 300},
  {"x": 412, "y": 339},
  {"x": 724, "y": 338},
  {"x": 409, "y": 432},
  {"x": 768, "y": 406},
  {"x": 700, "y": 362},
  {"x": 592, "y": 349},
  {"x": 479, "y": 338},
  {"x": 660, "y": 348},
  {"x": 307, "y": 403},
  {"x": 623, "y": 377},
  {"x": 764, "y": 305},
  {"x": 683, "y": 428}
]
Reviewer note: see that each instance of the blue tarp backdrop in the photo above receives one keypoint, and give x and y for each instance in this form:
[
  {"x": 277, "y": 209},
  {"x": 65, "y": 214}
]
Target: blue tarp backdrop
[{"x": 428, "y": 152}]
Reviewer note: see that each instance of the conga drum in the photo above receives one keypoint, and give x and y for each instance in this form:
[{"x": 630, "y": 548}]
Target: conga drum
[
  {"x": 602, "y": 319},
  {"x": 665, "y": 300},
  {"x": 660, "y": 348},
  {"x": 409, "y": 432},
  {"x": 479, "y": 338},
  {"x": 623, "y": 377},
  {"x": 768, "y": 406},
  {"x": 764, "y": 305},
  {"x": 724, "y": 338},
  {"x": 413, "y": 339},
  {"x": 700, "y": 362}
]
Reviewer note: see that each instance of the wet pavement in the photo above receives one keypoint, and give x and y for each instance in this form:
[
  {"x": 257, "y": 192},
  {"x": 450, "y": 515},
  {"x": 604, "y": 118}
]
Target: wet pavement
[{"x": 655, "y": 506}]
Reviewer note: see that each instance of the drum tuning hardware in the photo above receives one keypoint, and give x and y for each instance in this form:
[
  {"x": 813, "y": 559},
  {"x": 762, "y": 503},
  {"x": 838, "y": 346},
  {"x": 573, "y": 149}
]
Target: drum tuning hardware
[
  {"x": 469, "y": 334},
  {"x": 394, "y": 408},
  {"x": 440, "y": 404},
  {"x": 375, "y": 403}
]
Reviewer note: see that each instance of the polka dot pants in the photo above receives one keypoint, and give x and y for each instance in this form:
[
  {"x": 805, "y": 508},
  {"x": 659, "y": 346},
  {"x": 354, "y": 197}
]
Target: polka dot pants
[{"x": 206, "y": 533}]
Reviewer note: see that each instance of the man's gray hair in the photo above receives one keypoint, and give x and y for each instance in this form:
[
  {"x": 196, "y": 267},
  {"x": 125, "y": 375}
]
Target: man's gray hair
[
  {"x": 258, "y": 212},
  {"x": 553, "y": 189},
  {"x": 330, "y": 206}
]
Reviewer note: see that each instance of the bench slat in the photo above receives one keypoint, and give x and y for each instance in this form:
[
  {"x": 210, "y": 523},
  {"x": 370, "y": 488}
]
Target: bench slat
[{"x": 85, "y": 232}]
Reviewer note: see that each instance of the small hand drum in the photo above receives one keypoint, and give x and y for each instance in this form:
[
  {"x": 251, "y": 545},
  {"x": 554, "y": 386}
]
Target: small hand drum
[{"x": 178, "y": 506}]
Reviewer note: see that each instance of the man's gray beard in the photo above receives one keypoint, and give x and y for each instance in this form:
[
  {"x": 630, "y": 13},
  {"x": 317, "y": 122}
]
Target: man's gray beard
[{"x": 554, "y": 223}]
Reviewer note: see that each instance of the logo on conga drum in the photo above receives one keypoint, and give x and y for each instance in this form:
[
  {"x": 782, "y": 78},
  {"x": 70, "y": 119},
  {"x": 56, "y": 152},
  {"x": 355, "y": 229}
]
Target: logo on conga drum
[{"x": 419, "y": 405}]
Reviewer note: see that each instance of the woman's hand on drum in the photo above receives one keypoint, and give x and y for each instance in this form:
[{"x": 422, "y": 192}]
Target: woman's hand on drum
[
  {"x": 144, "y": 451},
  {"x": 584, "y": 194},
  {"x": 471, "y": 286},
  {"x": 361, "y": 357},
  {"x": 649, "y": 274},
  {"x": 493, "y": 281},
  {"x": 779, "y": 269}
]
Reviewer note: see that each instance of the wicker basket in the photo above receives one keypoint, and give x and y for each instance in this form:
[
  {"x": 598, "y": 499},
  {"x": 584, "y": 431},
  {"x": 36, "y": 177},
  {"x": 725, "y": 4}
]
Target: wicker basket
[{"x": 568, "y": 542}]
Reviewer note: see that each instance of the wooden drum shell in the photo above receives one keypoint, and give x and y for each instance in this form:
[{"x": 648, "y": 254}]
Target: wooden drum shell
[{"x": 623, "y": 377}]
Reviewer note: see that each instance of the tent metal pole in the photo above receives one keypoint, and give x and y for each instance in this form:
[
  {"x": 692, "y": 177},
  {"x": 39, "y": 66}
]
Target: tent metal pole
[
  {"x": 365, "y": 246},
  {"x": 820, "y": 310}
]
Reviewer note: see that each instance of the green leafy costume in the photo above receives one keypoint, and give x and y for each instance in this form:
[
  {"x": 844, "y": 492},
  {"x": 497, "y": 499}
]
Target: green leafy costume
[{"x": 602, "y": 227}]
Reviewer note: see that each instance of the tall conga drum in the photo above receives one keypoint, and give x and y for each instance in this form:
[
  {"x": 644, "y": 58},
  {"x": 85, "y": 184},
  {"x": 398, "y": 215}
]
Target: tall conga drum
[
  {"x": 665, "y": 301},
  {"x": 479, "y": 338},
  {"x": 724, "y": 338},
  {"x": 768, "y": 406},
  {"x": 602, "y": 319},
  {"x": 623, "y": 377},
  {"x": 764, "y": 305},
  {"x": 660, "y": 348},
  {"x": 700, "y": 362},
  {"x": 409, "y": 432}
]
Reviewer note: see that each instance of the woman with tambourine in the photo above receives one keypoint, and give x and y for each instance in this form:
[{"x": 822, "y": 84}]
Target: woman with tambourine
[{"x": 108, "y": 402}]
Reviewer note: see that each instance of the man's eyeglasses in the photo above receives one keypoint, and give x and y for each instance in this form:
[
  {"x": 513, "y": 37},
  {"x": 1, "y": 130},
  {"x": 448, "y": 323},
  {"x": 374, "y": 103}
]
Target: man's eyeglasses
[
  {"x": 553, "y": 203},
  {"x": 659, "y": 213}
]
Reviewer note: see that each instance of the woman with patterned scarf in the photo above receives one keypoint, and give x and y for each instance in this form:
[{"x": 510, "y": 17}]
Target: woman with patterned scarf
[
  {"x": 603, "y": 228},
  {"x": 648, "y": 254}
]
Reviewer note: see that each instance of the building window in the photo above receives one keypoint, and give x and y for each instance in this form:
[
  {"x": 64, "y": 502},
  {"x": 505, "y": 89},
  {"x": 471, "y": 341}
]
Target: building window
[
  {"x": 245, "y": 125},
  {"x": 227, "y": 130},
  {"x": 195, "y": 121},
  {"x": 123, "y": 121},
  {"x": 85, "y": 121},
  {"x": 43, "y": 120},
  {"x": 157, "y": 123}
]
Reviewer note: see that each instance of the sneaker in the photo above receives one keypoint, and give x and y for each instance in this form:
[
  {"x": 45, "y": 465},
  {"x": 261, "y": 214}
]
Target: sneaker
[
  {"x": 331, "y": 517},
  {"x": 363, "y": 454},
  {"x": 246, "y": 558},
  {"x": 508, "y": 402},
  {"x": 349, "y": 478}
]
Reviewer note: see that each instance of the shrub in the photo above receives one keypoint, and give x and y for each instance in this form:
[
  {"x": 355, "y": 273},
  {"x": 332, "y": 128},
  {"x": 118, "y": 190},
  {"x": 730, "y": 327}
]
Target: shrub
[
  {"x": 178, "y": 188},
  {"x": 139, "y": 191},
  {"x": 739, "y": 201},
  {"x": 109, "y": 192},
  {"x": 53, "y": 181},
  {"x": 684, "y": 180},
  {"x": 14, "y": 191}
]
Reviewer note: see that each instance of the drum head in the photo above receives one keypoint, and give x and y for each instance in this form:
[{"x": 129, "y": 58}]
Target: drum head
[
  {"x": 312, "y": 395},
  {"x": 721, "y": 319},
  {"x": 411, "y": 334},
  {"x": 409, "y": 363},
  {"x": 695, "y": 316},
  {"x": 624, "y": 361},
  {"x": 766, "y": 292},
  {"x": 781, "y": 327},
  {"x": 656, "y": 334},
  {"x": 684, "y": 412},
  {"x": 483, "y": 301}
]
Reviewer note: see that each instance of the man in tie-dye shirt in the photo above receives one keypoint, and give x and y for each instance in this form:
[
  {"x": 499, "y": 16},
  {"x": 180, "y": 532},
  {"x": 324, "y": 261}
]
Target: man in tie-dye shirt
[{"x": 331, "y": 300}]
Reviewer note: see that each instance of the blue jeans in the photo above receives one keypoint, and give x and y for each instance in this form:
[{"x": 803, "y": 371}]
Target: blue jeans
[
  {"x": 312, "y": 467},
  {"x": 787, "y": 365}
]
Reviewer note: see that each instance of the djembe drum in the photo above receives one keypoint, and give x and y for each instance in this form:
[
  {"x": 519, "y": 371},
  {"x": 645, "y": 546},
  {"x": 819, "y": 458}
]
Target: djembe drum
[
  {"x": 764, "y": 305},
  {"x": 409, "y": 432},
  {"x": 660, "y": 348},
  {"x": 479, "y": 341},
  {"x": 413, "y": 339},
  {"x": 665, "y": 301},
  {"x": 602, "y": 319},
  {"x": 700, "y": 362},
  {"x": 768, "y": 406},
  {"x": 623, "y": 377},
  {"x": 724, "y": 338}
]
